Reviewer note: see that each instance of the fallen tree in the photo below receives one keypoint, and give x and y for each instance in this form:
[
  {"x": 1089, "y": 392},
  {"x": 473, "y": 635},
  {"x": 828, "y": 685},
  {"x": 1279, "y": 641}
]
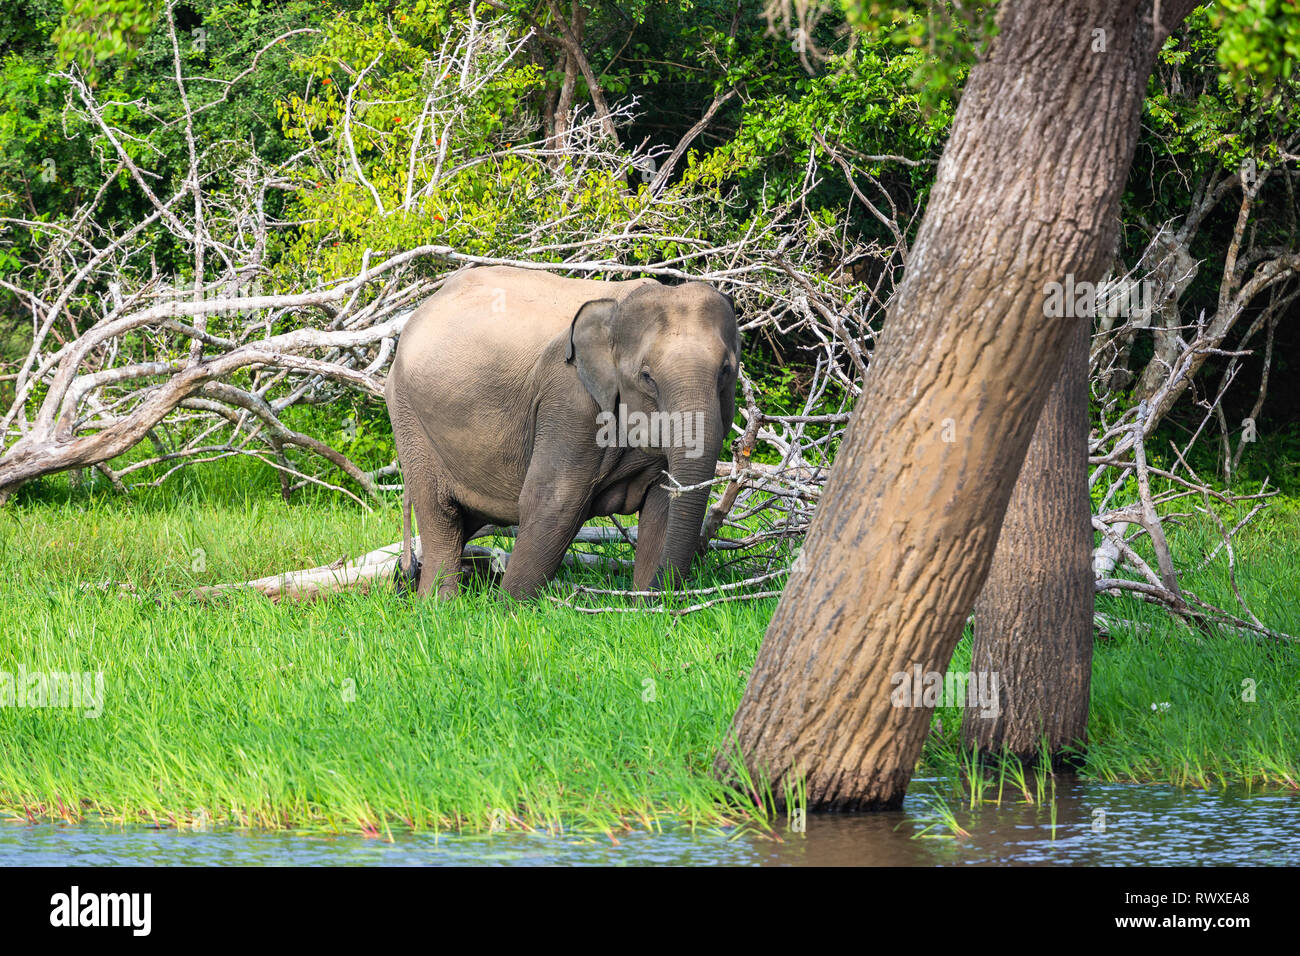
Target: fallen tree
[{"x": 138, "y": 374}]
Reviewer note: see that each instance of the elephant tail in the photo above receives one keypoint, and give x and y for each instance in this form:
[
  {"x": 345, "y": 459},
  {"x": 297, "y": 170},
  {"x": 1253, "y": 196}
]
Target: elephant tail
[{"x": 407, "y": 577}]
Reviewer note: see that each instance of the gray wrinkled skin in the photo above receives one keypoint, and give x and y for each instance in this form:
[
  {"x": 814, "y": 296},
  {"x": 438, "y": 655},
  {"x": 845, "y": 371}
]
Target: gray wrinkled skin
[{"x": 496, "y": 395}]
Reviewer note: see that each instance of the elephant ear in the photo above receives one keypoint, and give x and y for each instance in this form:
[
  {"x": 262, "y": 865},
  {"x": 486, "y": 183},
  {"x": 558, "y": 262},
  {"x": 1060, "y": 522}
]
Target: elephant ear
[
  {"x": 728, "y": 398},
  {"x": 591, "y": 351},
  {"x": 727, "y": 402}
]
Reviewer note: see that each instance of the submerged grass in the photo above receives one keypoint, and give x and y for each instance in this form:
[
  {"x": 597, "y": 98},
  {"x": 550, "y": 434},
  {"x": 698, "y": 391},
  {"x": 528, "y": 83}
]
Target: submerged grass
[{"x": 368, "y": 712}]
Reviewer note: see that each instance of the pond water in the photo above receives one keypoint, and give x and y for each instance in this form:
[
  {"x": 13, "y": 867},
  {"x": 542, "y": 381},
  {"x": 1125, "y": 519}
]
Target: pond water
[{"x": 1142, "y": 825}]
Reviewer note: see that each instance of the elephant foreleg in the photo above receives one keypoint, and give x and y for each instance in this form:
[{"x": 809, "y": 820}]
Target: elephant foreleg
[{"x": 551, "y": 511}]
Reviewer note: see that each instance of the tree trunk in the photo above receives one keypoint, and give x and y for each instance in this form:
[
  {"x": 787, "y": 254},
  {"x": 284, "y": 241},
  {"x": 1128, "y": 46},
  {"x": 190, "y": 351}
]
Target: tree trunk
[
  {"x": 1027, "y": 191},
  {"x": 1033, "y": 620}
]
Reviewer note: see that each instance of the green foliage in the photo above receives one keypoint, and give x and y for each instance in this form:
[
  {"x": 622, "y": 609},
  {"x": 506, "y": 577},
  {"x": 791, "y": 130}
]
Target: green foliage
[
  {"x": 1224, "y": 94},
  {"x": 949, "y": 38},
  {"x": 93, "y": 31},
  {"x": 1261, "y": 42},
  {"x": 477, "y": 208},
  {"x": 864, "y": 100},
  {"x": 52, "y": 159},
  {"x": 358, "y": 429},
  {"x": 38, "y": 166},
  {"x": 1217, "y": 116}
]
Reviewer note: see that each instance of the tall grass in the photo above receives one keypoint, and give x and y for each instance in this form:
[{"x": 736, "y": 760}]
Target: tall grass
[{"x": 371, "y": 712}]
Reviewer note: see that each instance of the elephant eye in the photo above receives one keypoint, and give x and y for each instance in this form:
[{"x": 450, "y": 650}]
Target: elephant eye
[{"x": 647, "y": 378}]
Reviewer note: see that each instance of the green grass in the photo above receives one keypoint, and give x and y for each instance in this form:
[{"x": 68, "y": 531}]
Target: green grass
[
  {"x": 370, "y": 712},
  {"x": 356, "y": 712}
]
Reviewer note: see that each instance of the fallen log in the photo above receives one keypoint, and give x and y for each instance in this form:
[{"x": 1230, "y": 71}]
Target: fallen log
[
  {"x": 480, "y": 561},
  {"x": 380, "y": 565}
]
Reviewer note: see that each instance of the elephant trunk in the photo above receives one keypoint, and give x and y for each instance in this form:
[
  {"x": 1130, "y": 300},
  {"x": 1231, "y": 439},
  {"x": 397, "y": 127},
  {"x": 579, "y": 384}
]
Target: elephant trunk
[{"x": 691, "y": 462}]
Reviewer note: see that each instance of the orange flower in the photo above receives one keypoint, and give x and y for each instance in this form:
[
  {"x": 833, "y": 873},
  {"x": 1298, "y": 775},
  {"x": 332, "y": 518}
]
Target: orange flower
[
  {"x": 439, "y": 218},
  {"x": 327, "y": 81}
]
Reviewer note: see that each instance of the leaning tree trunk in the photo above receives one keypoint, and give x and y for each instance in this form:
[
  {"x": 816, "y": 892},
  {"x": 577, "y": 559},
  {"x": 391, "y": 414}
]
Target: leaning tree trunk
[
  {"x": 1033, "y": 620},
  {"x": 1027, "y": 191}
]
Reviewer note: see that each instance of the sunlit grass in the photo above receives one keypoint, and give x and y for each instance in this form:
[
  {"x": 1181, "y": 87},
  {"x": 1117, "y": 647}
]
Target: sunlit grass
[
  {"x": 362, "y": 711},
  {"x": 368, "y": 712}
]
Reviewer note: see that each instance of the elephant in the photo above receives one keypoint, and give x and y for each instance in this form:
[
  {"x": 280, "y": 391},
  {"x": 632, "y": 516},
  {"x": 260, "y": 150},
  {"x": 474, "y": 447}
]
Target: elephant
[{"x": 520, "y": 397}]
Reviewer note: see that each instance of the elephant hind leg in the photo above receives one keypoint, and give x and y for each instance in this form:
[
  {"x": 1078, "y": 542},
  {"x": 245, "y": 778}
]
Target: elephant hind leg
[
  {"x": 438, "y": 520},
  {"x": 442, "y": 538}
]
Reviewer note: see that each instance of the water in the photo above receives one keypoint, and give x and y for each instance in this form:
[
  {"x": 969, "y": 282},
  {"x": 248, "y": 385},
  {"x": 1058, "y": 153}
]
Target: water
[{"x": 1142, "y": 825}]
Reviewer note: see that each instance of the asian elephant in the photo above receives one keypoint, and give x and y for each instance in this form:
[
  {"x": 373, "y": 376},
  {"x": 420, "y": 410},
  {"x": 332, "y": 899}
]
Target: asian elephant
[{"x": 522, "y": 397}]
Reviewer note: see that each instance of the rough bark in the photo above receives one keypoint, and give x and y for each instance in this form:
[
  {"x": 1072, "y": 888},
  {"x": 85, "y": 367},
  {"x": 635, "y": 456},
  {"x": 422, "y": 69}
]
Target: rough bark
[
  {"x": 1034, "y": 618},
  {"x": 1027, "y": 191}
]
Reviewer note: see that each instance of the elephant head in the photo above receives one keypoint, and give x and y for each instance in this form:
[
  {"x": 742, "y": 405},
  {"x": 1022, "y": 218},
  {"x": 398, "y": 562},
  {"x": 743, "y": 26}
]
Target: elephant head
[{"x": 662, "y": 365}]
